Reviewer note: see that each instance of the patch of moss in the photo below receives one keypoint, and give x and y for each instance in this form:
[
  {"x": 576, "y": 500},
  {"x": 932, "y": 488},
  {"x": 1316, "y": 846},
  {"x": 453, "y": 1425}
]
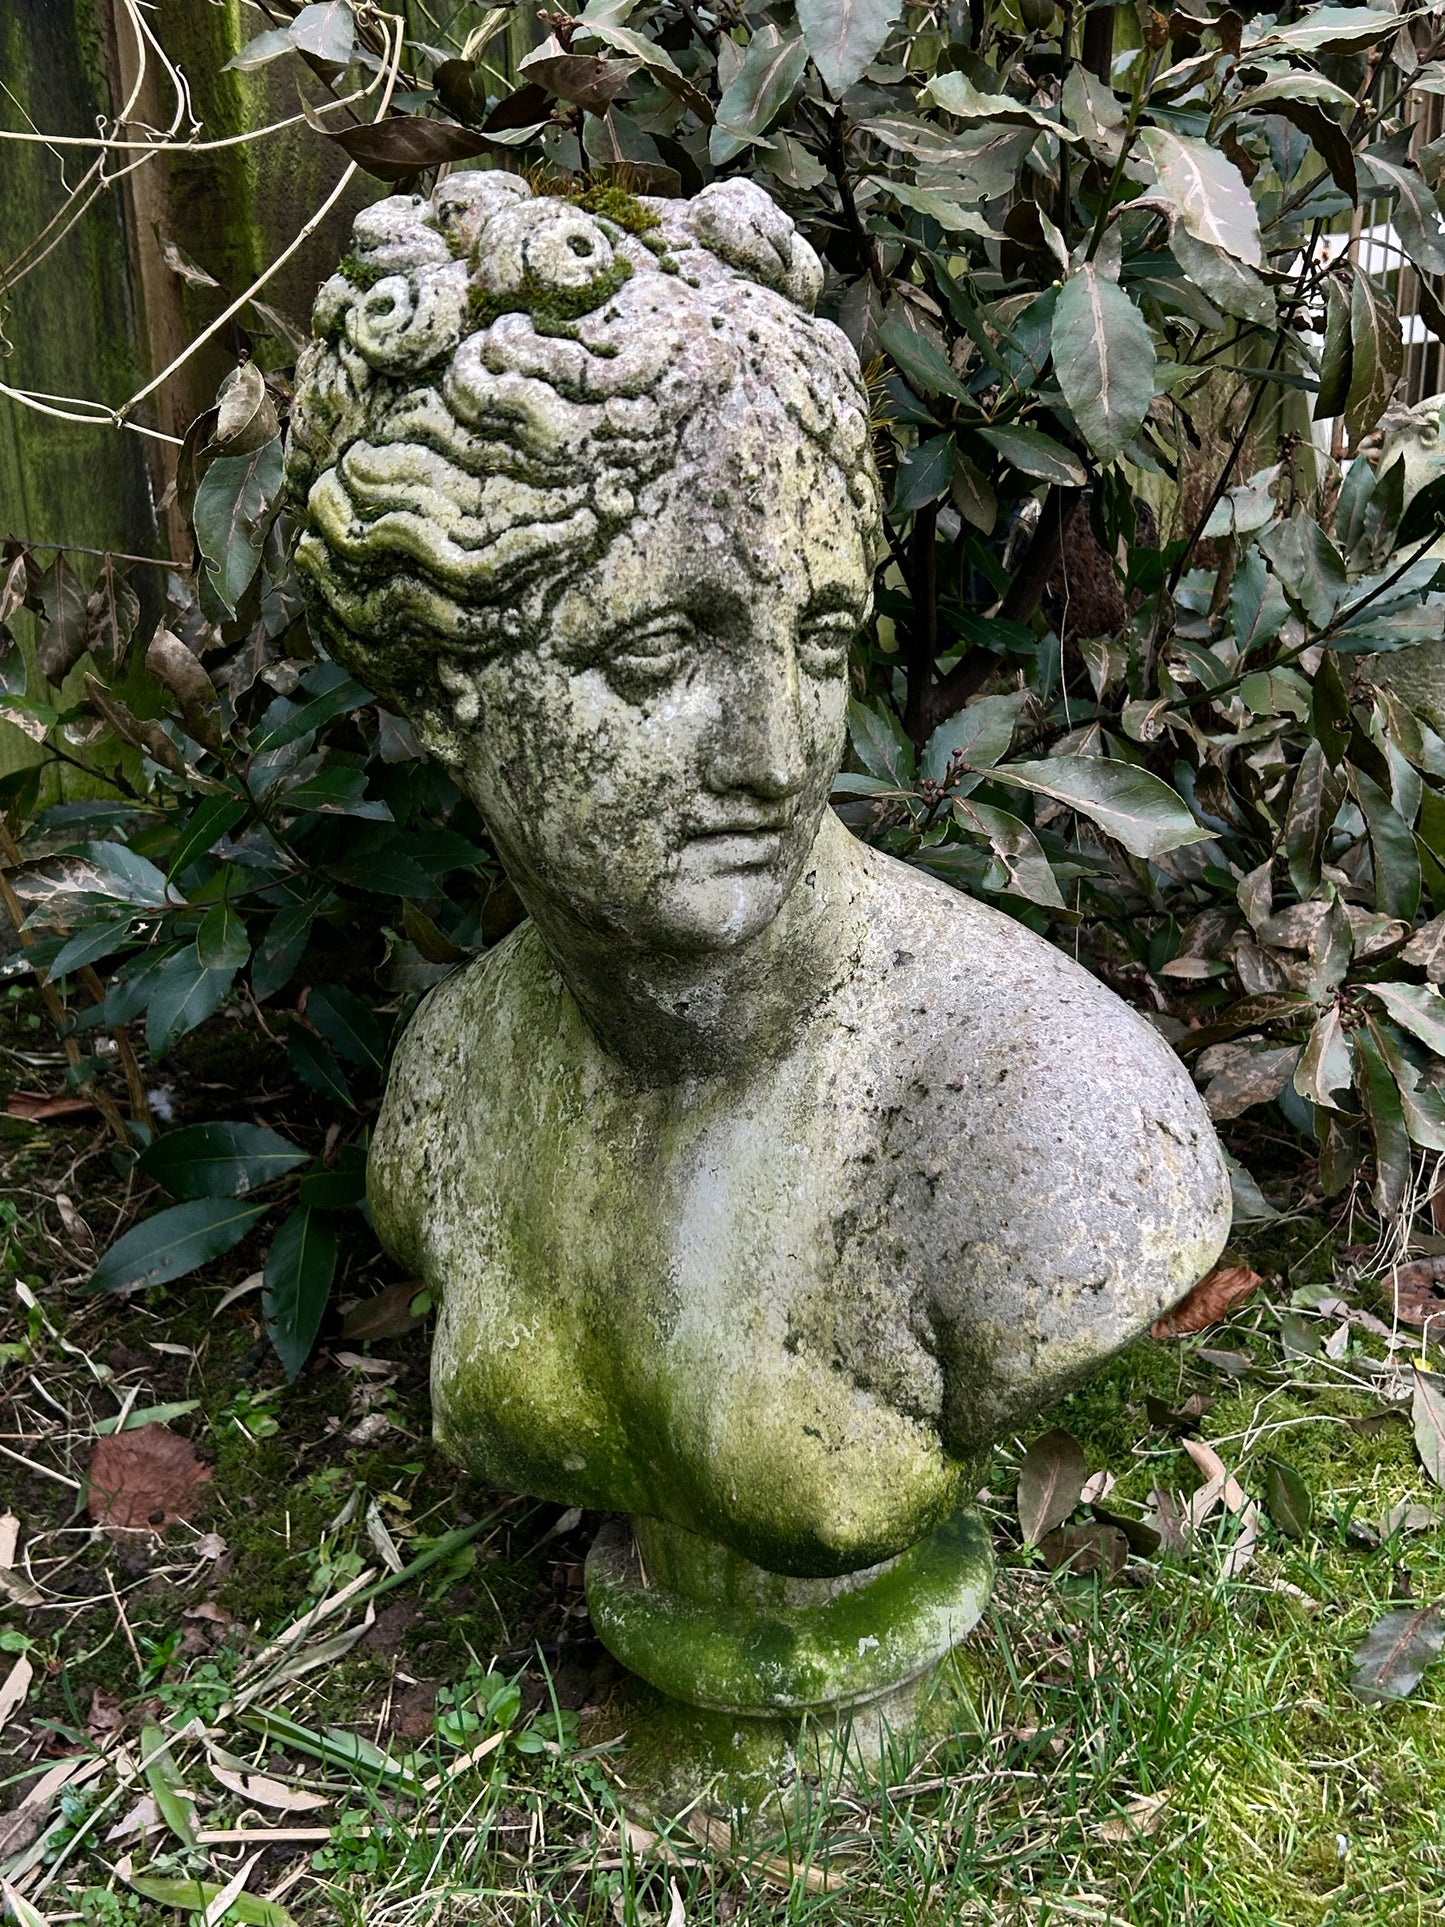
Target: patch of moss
[
  {"x": 361, "y": 274},
  {"x": 617, "y": 205},
  {"x": 552, "y": 310}
]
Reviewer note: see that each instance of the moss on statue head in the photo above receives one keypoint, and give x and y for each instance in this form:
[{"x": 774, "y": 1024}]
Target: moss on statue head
[
  {"x": 361, "y": 274},
  {"x": 552, "y": 310}
]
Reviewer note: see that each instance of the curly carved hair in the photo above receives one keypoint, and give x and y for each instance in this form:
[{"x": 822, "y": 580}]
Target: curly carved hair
[{"x": 496, "y": 376}]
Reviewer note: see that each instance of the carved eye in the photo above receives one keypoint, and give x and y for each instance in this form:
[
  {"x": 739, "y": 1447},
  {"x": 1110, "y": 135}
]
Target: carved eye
[
  {"x": 823, "y": 641},
  {"x": 650, "y": 655}
]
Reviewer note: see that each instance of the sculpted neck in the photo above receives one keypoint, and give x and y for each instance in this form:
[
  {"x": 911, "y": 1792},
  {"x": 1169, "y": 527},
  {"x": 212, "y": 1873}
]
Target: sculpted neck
[{"x": 717, "y": 1013}]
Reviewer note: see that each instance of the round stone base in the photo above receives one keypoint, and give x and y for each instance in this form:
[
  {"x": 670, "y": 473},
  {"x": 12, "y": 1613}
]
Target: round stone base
[{"x": 706, "y": 1627}]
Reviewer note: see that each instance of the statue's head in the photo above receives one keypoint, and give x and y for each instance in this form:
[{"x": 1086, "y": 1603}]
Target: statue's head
[{"x": 589, "y": 497}]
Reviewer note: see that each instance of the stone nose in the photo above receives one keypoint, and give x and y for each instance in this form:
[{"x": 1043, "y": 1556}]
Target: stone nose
[{"x": 758, "y": 741}]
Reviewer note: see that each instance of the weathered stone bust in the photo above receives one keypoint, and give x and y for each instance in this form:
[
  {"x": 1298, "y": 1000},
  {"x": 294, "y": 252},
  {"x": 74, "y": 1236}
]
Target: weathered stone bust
[{"x": 764, "y": 1182}]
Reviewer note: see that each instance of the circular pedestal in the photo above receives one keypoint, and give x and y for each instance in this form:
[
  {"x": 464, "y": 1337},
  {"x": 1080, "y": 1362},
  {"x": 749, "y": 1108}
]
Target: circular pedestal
[{"x": 705, "y": 1626}]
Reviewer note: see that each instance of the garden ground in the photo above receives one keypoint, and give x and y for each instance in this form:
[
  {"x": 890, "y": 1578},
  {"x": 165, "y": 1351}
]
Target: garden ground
[{"x": 368, "y": 1685}]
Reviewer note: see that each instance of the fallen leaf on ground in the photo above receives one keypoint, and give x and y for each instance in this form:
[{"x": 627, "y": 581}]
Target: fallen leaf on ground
[
  {"x": 16, "y": 1685},
  {"x": 1406, "y": 1517},
  {"x": 1085, "y": 1549},
  {"x": 105, "y": 1718},
  {"x": 19, "y": 1830},
  {"x": 142, "y": 1818},
  {"x": 387, "y": 1315},
  {"x": 1097, "y": 1486},
  {"x": 1287, "y": 1499},
  {"x": 1427, "y": 1409},
  {"x": 1177, "y": 1418},
  {"x": 1051, "y": 1478},
  {"x": 1419, "y": 1291},
  {"x": 1216, "y": 1294},
  {"x": 374, "y": 1426},
  {"x": 1142, "y": 1815},
  {"x": 9, "y": 1538},
  {"x": 144, "y": 1480},
  {"x": 1392, "y": 1660},
  {"x": 37, "y": 1108},
  {"x": 1235, "y": 1364},
  {"x": 1167, "y": 1520}
]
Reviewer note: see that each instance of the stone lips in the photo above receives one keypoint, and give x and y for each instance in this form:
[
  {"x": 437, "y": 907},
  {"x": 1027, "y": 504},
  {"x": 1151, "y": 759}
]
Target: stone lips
[{"x": 457, "y": 477}]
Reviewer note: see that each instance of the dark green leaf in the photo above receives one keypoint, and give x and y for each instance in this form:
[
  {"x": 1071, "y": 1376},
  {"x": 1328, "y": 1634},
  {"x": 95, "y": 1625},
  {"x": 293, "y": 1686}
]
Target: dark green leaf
[
  {"x": 211, "y": 819},
  {"x": 404, "y": 144},
  {"x": 232, "y": 513},
  {"x": 918, "y": 361},
  {"x": 880, "y": 744},
  {"x": 1393, "y": 1155},
  {"x": 224, "y": 1160},
  {"x": 349, "y": 1026},
  {"x": 1417, "y": 218},
  {"x": 221, "y": 941},
  {"x": 326, "y": 29},
  {"x": 299, "y": 1269},
  {"x": 1418, "y": 1008},
  {"x": 1104, "y": 360},
  {"x": 340, "y": 1188},
  {"x": 185, "y": 993},
  {"x": 762, "y": 87},
  {"x": 128, "y": 876},
  {"x": 1038, "y": 455},
  {"x": 1131, "y": 804},
  {"x": 924, "y": 473},
  {"x": 1228, "y": 282},
  {"x": 314, "y": 1064},
  {"x": 844, "y": 36},
  {"x": 1377, "y": 354},
  {"x": 328, "y": 695},
  {"x": 1308, "y": 564},
  {"x": 1287, "y": 1499},
  {"x": 1330, "y": 722},
  {"x": 282, "y": 947},
  {"x": 1022, "y": 869},
  {"x": 1336, "y": 363},
  {"x": 1207, "y": 192},
  {"x": 63, "y": 636},
  {"x": 1397, "y": 863},
  {"x": 89, "y": 945},
  {"x": 172, "y": 1243}
]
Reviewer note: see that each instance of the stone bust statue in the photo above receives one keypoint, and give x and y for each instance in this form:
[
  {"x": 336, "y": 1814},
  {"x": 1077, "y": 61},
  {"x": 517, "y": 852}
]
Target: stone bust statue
[{"x": 764, "y": 1182}]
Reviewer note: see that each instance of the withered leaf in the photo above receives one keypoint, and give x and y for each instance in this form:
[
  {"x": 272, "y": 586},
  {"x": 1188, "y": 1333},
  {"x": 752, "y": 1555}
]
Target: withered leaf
[
  {"x": 1085, "y": 1549},
  {"x": 1144, "y": 1539},
  {"x": 1419, "y": 1289},
  {"x": 142, "y": 1481},
  {"x": 1180, "y": 1418},
  {"x": 1213, "y": 1298},
  {"x": 387, "y": 1315},
  {"x": 397, "y": 148},
  {"x": 1051, "y": 1478},
  {"x": 1392, "y": 1660},
  {"x": 1427, "y": 1409}
]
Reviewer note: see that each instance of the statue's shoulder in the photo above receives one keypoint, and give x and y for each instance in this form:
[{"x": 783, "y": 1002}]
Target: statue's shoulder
[
  {"x": 464, "y": 1048},
  {"x": 1019, "y": 1042}
]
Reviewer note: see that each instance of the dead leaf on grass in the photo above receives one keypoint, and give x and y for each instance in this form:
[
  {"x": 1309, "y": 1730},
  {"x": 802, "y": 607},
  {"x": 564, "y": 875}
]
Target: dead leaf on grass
[
  {"x": 1419, "y": 1290},
  {"x": 16, "y": 1686},
  {"x": 1167, "y": 1520},
  {"x": 1051, "y": 1478},
  {"x": 1392, "y": 1661},
  {"x": 260, "y": 1790},
  {"x": 1216, "y": 1295},
  {"x": 1085, "y": 1549},
  {"x": 145, "y": 1480},
  {"x": 1142, "y": 1815},
  {"x": 1177, "y": 1418},
  {"x": 37, "y": 1108},
  {"x": 1427, "y": 1409},
  {"x": 105, "y": 1719}
]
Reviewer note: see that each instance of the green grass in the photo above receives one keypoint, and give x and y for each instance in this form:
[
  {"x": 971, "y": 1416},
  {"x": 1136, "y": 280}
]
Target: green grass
[{"x": 1173, "y": 1746}]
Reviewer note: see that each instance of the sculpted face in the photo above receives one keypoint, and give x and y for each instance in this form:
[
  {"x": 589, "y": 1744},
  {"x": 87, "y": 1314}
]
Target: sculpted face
[
  {"x": 590, "y": 496},
  {"x": 658, "y": 767}
]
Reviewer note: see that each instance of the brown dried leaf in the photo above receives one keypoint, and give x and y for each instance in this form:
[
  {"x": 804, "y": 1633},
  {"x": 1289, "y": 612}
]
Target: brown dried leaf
[
  {"x": 1085, "y": 1549},
  {"x": 143, "y": 1481},
  {"x": 1051, "y": 1478},
  {"x": 1142, "y": 1815},
  {"x": 1392, "y": 1661},
  {"x": 37, "y": 1108},
  {"x": 1428, "y": 1412},
  {"x": 387, "y": 1315},
  {"x": 1419, "y": 1289},
  {"x": 1213, "y": 1298}
]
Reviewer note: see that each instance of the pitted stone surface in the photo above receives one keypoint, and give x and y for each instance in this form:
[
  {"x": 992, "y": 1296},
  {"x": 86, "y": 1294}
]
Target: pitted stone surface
[{"x": 764, "y": 1181}]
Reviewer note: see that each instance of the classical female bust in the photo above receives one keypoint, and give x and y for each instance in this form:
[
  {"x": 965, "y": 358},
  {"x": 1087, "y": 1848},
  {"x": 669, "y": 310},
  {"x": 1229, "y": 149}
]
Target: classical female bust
[{"x": 764, "y": 1182}]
